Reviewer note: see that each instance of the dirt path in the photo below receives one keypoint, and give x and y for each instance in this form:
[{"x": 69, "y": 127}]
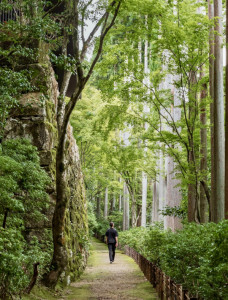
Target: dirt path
[{"x": 102, "y": 280}]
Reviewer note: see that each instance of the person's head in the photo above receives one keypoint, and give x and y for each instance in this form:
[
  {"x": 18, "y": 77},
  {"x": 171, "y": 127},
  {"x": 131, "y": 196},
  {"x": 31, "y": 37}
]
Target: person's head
[{"x": 111, "y": 224}]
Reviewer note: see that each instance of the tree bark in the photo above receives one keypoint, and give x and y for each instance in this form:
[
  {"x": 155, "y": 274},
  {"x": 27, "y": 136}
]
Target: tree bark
[
  {"x": 5, "y": 218},
  {"x": 144, "y": 199},
  {"x": 162, "y": 187},
  {"x": 203, "y": 151},
  {"x": 106, "y": 203},
  {"x": 193, "y": 210},
  {"x": 98, "y": 210},
  {"x": 114, "y": 201},
  {"x": 125, "y": 207},
  {"x": 226, "y": 123},
  {"x": 120, "y": 197},
  {"x": 34, "y": 278},
  {"x": 217, "y": 206},
  {"x": 211, "y": 90},
  {"x": 155, "y": 202}
]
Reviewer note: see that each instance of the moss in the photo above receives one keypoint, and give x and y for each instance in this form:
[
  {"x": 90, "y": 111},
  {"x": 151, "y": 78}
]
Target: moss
[
  {"x": 40, "y": 292},
  {"x": 83, "y": 293},
  {"x": 143, "y": 291},
  {"x": 50, "y": 111}
]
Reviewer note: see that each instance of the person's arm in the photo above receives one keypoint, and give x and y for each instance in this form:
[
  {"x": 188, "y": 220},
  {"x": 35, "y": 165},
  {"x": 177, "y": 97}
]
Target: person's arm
[
  {"x": 106, "y": 239},
  {"x": 116, "y": 241}
]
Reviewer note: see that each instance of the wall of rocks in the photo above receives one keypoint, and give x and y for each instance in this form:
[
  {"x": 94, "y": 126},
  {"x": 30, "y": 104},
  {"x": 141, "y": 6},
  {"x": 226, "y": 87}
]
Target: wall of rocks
[{"x": 35, "y": 119}]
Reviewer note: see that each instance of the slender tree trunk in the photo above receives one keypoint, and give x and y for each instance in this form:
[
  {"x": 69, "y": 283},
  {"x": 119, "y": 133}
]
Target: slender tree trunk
[
  {"x": 211, "y": 90},
  {"x": 106, "y": 203},
  {"x": 192, "y": 192},
  {"x": 114, "y": 201},
  {"x": 125, "y": 208},
  {"x": 144, "y": 199},
  {"x": 162, "y": 187},
  {"x": 5, "y": 218},
  {"x": 120, "y": 198},
  {"x": 155, "y": 202},
  {"x": 193, "y": 197},
  {"x": 226, "y": 138},
  {"x": 133, "y": 209},
  {"x": 217, "y": 206},
  {"x": 98, "y": 206},
  {"x": 203, "y": 151},
  {"x": 146, "y": 110}
]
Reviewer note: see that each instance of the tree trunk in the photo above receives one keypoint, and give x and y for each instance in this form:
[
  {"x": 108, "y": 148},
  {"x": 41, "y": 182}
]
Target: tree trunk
[
  {"x": 98, "y": 211},
  {"x": 5, "y": 218},
  {"x": 155, "y": 201},
  {"x": 211, "y": 90},
  {"x": 133, "y": 210},
  {"x": 217, "y": 206},
  {"x": 152, "y": 206},
  {"x": 125, "y": 207},
  {"x": 144, "y": 199},
  {"x": 114, "y": 201},
  {"x": 120, "y": 197},
  {"x": 162, "y": 187},
  {"x": 192, "y": 188},
  {"x": 146, "y": 111},
  {"x": 106, "y": 203},
  {"x": 226, "y": 138},
  {"x": 60, "y": 259},
  {"x": 203, "y": 151},
  {"x": 193, "y": 197}
]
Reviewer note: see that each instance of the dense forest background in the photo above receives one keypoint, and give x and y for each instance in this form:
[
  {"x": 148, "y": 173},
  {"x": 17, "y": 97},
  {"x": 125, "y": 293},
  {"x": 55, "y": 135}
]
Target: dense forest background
[{"x": 140, "y": 86}]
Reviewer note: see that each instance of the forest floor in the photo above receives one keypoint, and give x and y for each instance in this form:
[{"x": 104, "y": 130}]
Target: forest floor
[{"x": 102, "y": 280}]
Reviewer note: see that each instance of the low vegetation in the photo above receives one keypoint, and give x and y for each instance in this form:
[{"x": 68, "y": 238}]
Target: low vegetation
[{"x": 195, "y": 256}]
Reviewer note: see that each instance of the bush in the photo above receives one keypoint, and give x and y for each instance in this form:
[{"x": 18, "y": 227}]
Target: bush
[
  {"x": 195, "y": 257},
  {"x": 101, "y": 229},
  {"x": 92, "y": 221},
  {"x": 23, "y": 199}
]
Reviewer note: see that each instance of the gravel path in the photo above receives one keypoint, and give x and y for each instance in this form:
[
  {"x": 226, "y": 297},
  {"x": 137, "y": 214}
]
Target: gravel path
[{"x": 102, "y": 280}]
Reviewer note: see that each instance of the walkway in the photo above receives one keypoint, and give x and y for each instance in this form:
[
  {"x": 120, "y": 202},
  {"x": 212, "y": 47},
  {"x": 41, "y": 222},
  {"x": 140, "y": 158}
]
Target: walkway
[{"x": 121, "y": 280}]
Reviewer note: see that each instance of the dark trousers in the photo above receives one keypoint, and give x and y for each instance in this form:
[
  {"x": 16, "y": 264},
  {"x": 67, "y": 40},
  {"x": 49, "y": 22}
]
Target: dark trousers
[{"x": 112, "y": 248}]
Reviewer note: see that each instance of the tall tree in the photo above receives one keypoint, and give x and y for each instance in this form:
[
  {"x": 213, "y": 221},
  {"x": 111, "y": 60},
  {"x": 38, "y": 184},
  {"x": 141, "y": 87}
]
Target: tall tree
[
  {"x": 203, "y": 151},
  {"x": 76, "y": 13},
  {"x": 217, "y": 206},
  {"x": 226, "y": 124},
  {"x": 211, "y": 91},
  {"x": 106, "y": 203}
]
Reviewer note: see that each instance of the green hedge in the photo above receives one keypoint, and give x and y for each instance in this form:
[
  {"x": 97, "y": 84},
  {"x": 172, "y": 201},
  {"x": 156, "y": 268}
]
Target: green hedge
[{"x": 196, "y": 256}]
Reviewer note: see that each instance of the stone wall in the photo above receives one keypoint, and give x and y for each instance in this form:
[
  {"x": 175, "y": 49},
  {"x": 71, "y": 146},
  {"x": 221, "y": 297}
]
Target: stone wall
[{"x": 35, "y": 119}]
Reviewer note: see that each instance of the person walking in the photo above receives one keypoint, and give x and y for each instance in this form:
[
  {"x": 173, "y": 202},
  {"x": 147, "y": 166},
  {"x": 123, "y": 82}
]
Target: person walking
[{"x": 112, "y": 241}]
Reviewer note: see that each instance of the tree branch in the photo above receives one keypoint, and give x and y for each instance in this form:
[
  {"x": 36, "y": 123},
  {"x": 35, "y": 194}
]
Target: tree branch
[
  {"x": 53, "y": 8},
  {"x": 102, "y": 40}
]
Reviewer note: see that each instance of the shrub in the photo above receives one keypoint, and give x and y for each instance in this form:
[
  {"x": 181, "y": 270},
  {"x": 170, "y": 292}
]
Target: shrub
[
  {"x": 196, "y": 256},
  {"x": 23, "y": 200}
]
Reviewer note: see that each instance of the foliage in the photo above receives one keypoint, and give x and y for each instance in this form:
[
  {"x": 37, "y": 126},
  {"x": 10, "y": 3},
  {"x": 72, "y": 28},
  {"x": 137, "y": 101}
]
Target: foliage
[
  {"x": 195, "y": 256},
  {"x": 23, "y": 202},
  {"x": 116, "y": 217},
  {"x": 92, "y": 221},
  {"x": 175, "y": 211},
  {"x": 19, "y": 46},
  {"x": 102, "y": 227},
  {"x": 177, "y": 37}
]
